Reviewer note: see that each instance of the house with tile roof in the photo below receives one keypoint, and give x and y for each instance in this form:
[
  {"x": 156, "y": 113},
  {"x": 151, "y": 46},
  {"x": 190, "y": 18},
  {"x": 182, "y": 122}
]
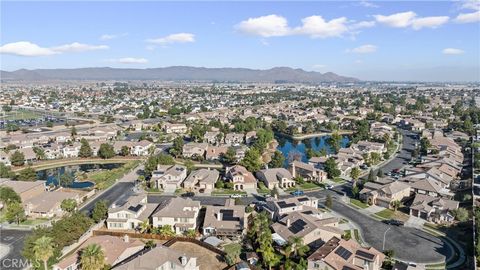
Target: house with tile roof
[{"x": 181, "y": 214}]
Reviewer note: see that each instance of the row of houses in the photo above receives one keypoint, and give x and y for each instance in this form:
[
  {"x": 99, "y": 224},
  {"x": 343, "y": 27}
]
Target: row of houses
[{"x": 428, "y": 187}]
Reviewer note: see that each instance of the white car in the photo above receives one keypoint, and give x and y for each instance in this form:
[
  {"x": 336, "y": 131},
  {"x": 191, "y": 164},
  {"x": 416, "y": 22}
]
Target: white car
[{"x": 236, "y": 196}]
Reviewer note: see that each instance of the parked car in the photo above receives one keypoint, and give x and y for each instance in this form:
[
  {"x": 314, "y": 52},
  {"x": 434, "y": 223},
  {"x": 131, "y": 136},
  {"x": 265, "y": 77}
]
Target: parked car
[
  {"x": 394, "y": 222},
  {"x": 328, "y": 186},
  {"x": 236, "y": 196},
  {"x": 297, "y": 193},
  {"x": 188, "y": 194}
]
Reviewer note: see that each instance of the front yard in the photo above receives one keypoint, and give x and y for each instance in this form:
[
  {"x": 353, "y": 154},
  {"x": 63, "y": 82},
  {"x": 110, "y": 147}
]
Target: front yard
[
  {"x": 358, "y": 203},
  {"x": 390, "y": 214}
]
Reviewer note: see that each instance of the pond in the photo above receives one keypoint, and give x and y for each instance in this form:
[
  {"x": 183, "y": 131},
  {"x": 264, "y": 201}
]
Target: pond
[
  {"x": 53, "y": 175},
  {"x": 293, "y": 149}
]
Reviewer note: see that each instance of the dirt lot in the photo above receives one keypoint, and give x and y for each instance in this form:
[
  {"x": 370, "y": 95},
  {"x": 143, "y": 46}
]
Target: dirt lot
[{"x": 206, "y": 259}]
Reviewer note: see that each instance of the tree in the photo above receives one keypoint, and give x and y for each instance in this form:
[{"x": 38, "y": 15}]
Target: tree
[
  {"x": 39, "y": 153},
  {"x": 232, "y": 253},
  {"x": 278, "y": 160},
  {"x": 150, "y": 244},
  {"x": 355, "y": 191},
  {"x": 125, "y": 151},
  {"x": 27, "y": 174},
  {"x": 8, "y": 195},
  {"x": 331, "y": 168},
  {"x": 106, "y": 151},
  {"x": 17, "y": 158},
  {"x": 68, "y": 205},
  {"x": 252, "y": 161},
  {"x": 66, "y": 179},
  {"x": 371, "y": 176},
  {"x": 100, "y": 210},
  {"x": 335, "y": 141},
  {"x": 15, "y": 212},
  {"x": 461, "y": 214},
  {"x": 6, "y": 171},
  {"x": 166, "y": 231},
  {"x": 395, "y": 204},
  {"x": 144, "y": 226},
  {"x": 43, "y": 249},
  {"x": 177, "y": 148},
  {"x": 190, "y": 233},
  {"x": 425, "y": 145},
  {"x": 230, "y": 157},
  {"x": 329, "y": 201},
  {"x": 295, "y": 245},
  {"x": 73, "y": 131},
  {"x": 85, "y": 149},
  {"x": 355, "y": 173},
  {"x": 379, "y": 173},
  {"x": 92, "y": 257}
]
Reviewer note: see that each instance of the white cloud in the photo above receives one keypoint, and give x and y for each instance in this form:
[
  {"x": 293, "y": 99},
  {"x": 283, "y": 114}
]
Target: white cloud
[
  {"x": 131, "y": 60},
  {"x": 410, "y": 19},
  {"x": 468, "y": 17},
  {"x": 398, "y": 20},
  {"x": 429, "y": 22},
  {"x": 173, "y": 38},
  {"x": 26, "y": 48},
  {"x": 368, "y": 48},
  {"x": 79, "y": 47},
  {"x": 317, "y": 27},
  {"x": 365, "y": 3},
  {"x": 265, "y": 26},
  {"x": 362, "y": 24},
  {"x": 112, "y": 36},
  {"x": 452, "y": 51}
]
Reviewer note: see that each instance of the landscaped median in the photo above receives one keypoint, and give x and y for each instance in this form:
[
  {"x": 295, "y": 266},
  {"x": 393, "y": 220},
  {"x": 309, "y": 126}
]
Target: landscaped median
[
  {"x": 358, "y": 204},
  {"x": 227, "y": 192}
]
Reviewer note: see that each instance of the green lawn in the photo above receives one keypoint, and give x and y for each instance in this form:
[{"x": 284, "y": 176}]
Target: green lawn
[
  {"x": 357, "y": 236},
  {"x": 358, "y": 203},
  {"x": 390, "y": 214},
  {"x": 338, "y": 180},
  {"x": 21, "y": 115},
  {"x": 104, "y": 179},
  {"x": 227, "y": 192}
]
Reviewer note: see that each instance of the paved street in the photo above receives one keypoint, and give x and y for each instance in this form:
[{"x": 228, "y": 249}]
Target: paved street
[
  {"x": 12, "y": 241},
  {"x": 404, "y": 240},
  {"x": 117, "y": 193},
  {"x": 405, "y": 154}
]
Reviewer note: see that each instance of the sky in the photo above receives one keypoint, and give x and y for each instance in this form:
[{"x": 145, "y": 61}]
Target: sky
[{"x": 370, "y": 40}]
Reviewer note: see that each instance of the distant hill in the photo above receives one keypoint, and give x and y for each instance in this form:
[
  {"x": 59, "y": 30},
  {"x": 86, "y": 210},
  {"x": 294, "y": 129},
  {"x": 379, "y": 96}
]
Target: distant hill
[{"x": 178, "y": 73}]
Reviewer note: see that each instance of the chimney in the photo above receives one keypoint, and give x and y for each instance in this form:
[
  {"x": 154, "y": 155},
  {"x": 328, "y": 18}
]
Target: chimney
[
  {"x": 183, "y": 260},
  {"x": 219, "y": 216},
  {"x": 126, "y": 238},
  {"x": 288, "y": 222}
]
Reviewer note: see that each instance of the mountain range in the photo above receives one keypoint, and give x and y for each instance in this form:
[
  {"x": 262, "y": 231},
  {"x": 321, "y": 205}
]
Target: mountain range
[{"x": 178, "y": 73}]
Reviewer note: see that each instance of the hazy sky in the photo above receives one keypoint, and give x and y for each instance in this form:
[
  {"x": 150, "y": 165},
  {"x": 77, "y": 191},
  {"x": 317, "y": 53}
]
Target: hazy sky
[{"x": 373, "y": 40}]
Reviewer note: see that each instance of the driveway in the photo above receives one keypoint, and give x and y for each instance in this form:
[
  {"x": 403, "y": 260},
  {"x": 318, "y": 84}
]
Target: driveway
[{"x": 406, "y": 242}]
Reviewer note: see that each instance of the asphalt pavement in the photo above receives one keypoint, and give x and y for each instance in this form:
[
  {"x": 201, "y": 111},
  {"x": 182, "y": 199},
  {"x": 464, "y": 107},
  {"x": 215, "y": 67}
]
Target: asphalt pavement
[{"x": 12, "y": 241}]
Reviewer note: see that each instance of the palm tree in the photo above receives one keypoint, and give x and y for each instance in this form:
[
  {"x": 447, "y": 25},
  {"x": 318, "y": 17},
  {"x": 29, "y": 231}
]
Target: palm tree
[
  {"x": 43, "y": 249},
  {"x": 396, "y": 205},
  {"x": 144, "y": 226},
  {"x": 296, "y": 246},
  {"x": 167, "y": 231},
  {"x": 92, "y": 257}
]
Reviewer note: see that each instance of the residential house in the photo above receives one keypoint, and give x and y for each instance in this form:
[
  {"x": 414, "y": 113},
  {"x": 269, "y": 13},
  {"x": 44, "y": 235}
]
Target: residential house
[
  {"x": 433, "y": 209},
  {"x": 115, "y": 250},
  {"x": 307, "y": 171},
  {"x": 339, "y": 254},
  {"x": 177, "y": 212},
  {"x": 48, "y": 204},
  {"x": 234, "y": 138},
  {"x": 276, "y": 178},
  {"x": 160, "y": 258},
  {"x": 215, "y": 152},
  {"x": 211, "y": 137},
  {"x": 250, "y": 137},
  {"x": 193, "y": 149},
  {"x": 202, "y": 180},
  {"x": 312, "y": 230},
  {"x": 169, "y": 177},
  {"x": 279, "y": 208},
  {"x": 241, "y": 178},
  {"x": 229, "y": 220},
  {"x": 71, "y": 150},
  {"x": 25, "y": 189},
  {"x": 171, "y": 128},
  {"x": 386, "y": 194},
  {"x": 130, "y": 214}
]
